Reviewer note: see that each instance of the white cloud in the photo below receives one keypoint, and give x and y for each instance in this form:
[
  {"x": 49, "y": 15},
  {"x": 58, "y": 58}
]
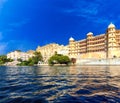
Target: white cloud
[
  {"x": 23, "y": 45},
  {"x": 2, "y": 44},
  {"x": 89, "y": 10},
  {"x": 83, "y": 7},
  {"x": 1, "y": 36},
  {"x": 3, "y": 48},
  {"x": 2, "y": 2}
]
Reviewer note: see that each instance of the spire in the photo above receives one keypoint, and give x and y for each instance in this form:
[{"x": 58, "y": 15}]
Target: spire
[
  {"x": 111, "y": 25},
  {"x": 90, "y": 33},
  {"x": 71, "y": 39}
]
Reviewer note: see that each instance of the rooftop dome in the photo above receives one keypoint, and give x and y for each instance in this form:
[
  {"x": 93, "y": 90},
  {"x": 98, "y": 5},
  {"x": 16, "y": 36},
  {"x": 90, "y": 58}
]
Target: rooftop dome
[
  {"x": 111, "y": 25},
  {"x": 90, "y": 33},
  {"x": 71, "y": 39}
]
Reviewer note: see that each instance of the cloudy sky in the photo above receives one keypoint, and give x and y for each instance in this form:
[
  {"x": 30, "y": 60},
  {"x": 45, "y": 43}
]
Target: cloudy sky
[{"x": 25, "y": 24}]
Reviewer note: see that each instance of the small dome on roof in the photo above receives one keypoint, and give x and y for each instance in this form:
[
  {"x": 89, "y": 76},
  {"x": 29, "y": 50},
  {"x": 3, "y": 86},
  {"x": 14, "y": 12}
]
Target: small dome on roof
[
  {"x": 111, "y": 25},
  {"x": 90, "y": 33},
  {"x": 71, "y": 39}
]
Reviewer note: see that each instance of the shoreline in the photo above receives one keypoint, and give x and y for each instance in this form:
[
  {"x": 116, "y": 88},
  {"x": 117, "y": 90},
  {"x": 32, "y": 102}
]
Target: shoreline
[{"x": 63, "y": 65}]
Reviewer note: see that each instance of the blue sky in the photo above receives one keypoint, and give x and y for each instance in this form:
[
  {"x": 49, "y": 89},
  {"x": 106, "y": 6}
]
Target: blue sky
[{"x": 25, "y": 24}]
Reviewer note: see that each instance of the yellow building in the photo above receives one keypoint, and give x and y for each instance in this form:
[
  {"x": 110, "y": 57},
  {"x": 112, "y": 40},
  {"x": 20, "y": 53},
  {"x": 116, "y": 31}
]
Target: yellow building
[
  {"x": 102, "y": 46},
  {"x": 30, "y": 53},
  {"x": 49, "y": 50}
]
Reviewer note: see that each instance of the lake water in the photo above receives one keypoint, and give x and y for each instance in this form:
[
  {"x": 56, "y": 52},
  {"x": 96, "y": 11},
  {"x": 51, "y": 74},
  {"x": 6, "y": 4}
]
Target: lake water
[{"x": 74, "y": 84}]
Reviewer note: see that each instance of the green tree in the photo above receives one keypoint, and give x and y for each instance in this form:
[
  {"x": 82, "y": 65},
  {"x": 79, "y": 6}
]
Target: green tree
[
  {"x": 38, "y": 57},
  {"x": 18, "y": 50},
  {"x": 59, "y": 59},
  {"x": 32, "y": 61},
  {"x": 4, "y": 59},
  {"x": 20, "y": 60}
]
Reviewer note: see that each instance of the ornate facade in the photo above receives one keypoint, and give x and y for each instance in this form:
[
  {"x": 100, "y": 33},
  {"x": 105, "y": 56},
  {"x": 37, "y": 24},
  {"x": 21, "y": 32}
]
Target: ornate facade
[
  {"x": 49, "y": 50},
  {"x": 101, "y": 47},
  {"x": 15, "y": 55}
]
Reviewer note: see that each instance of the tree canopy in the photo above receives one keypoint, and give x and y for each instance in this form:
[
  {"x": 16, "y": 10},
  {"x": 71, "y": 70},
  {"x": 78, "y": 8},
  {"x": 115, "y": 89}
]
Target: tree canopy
[
  {"x": 32, "y": 61},
  {"x": 4, "y": 59},
  {"x": 59, "y": 59}
]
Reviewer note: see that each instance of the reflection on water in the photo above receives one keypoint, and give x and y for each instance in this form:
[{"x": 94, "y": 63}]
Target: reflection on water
[{"x": 80, "y": 84}]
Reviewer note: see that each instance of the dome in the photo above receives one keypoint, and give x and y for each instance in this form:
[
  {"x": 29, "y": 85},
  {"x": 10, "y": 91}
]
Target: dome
[
  {"x": 111, "y": 25},
  {"x": 90, "y": 33},
  {"x": 71, "y": 39}
]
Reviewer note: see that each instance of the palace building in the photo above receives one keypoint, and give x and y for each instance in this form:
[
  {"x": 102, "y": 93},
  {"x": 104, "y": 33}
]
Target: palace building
[
  {"x": 15, "y": 55},
  {"x": 49, "y": 50},
  {"x": 102, "y": 46}
]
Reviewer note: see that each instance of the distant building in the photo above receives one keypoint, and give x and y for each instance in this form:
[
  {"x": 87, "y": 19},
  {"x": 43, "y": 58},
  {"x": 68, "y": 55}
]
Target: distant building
[
  {"x": 104, "y": 46},
  {"x": 19, "y": 55},
  {"x": 63, "y": 50},
  {"x": 30, "y": 53},
  {"x": 49, "y": 50}
]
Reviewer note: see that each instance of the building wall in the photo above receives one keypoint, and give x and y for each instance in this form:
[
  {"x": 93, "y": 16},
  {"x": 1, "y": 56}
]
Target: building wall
[
  {"x": 105, "y": 45},
  {"x": 49, "y": 50},
  {"x": 19, "y": 55}
]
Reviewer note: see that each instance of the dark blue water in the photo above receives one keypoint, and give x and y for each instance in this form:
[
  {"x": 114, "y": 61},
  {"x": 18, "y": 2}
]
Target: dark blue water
[{"x": 75, "y": 84}]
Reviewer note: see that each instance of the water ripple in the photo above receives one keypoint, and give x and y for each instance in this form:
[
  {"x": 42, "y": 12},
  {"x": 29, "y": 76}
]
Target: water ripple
[{"x": 60, "y": 84}]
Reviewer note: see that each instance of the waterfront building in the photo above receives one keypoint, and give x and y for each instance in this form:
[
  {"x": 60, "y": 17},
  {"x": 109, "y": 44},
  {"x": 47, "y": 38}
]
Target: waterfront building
[
  {"x": 102, "y": 46},
  {"x": 30, "y": 53},
  {"x": 63, "y": 50},
  {"x": 49, "y": 50},
  {"x": 15, "y": 55}
]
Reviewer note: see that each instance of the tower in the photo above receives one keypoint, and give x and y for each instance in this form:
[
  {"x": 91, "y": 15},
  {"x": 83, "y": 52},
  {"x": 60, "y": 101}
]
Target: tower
[
  {"x": 89, "y": 39},
  {"x": 111, "y": 41},
  {"x": 89, "y": 44},
  {"x": 71, "y": 47}
]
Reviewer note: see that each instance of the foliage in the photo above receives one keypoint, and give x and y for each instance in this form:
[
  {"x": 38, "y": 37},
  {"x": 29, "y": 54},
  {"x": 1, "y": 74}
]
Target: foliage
[
  {"x": 59, "y": 59},
  {"x": 26, "y": 63},
  {"x": 38, "y": 57},
  {"x": 32, "y": 61},
  {"x": 20, "y": 60},
  {"x": 4, "y": 59},
  {"x": 18, "y": 50}
]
